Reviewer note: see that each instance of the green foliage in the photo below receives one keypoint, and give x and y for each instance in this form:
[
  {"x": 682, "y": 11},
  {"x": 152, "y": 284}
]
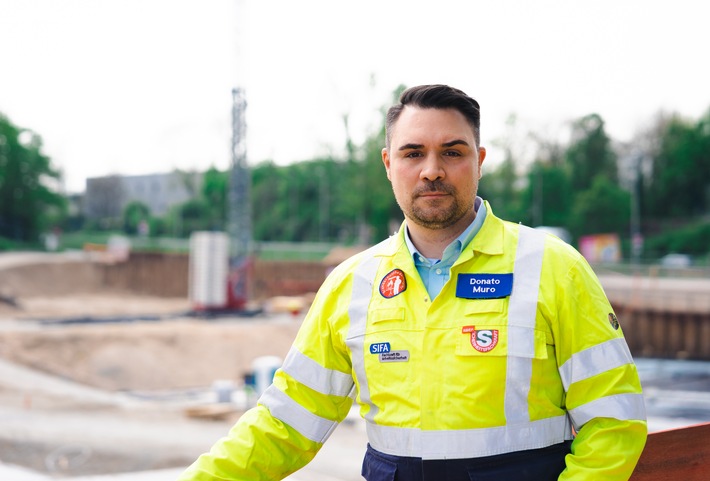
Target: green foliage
[
  {"x": 158, "y": 226},
  {"x": 548, "y": 196},
  {"x": 376, "y": 199},
  {"x": 604, "y": 208},
  {"x": 681, "y": 171},
  {"x": 135, "y": 215},
  {"x": 692, "y": 240},
  {"x": 500, "y": 186},
  {"x": 76, "y": 240},
  {"x": 324, "y": 199},
  {"x": 214, "y": 192},
  {"x": 184, "y": 219},
  {"x": 590, "y": 153},
  {"x": 8, "y": 245},
  {"x": 28, "y": 205}
]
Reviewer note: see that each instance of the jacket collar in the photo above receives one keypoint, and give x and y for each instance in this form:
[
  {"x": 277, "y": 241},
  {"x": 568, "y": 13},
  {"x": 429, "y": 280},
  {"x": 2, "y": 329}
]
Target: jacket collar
[{"x": 488, "y": 241}]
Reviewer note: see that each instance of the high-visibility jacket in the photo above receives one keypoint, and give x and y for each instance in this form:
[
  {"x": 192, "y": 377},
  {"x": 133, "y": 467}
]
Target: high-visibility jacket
[{"x": 520, "y": 350}]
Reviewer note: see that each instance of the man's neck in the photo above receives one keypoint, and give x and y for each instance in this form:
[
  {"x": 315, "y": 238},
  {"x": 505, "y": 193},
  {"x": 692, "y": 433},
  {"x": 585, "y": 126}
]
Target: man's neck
[{"x": 431, "y": 243}]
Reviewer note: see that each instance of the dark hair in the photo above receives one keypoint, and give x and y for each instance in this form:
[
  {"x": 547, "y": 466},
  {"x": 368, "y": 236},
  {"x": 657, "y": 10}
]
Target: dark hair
[{"x": 436, "y": 97}]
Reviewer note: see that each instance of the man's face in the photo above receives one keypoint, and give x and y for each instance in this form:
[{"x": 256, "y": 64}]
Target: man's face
[{"x": 434, "y": 167}]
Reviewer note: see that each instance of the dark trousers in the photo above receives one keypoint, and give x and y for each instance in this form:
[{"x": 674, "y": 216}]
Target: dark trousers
[{"x": 543, "y": 464}]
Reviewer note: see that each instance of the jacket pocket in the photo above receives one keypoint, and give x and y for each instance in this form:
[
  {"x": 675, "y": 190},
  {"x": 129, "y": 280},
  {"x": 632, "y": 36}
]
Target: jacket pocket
[
  {"x": 501, "y": 340},
  {"x": 377, "y": 468}
]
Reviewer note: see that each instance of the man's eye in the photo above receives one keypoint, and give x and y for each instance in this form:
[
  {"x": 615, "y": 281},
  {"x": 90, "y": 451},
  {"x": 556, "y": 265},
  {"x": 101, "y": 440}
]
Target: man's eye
[
  {"x": 452, "y": 153},
  {"x": 412, "y": 155}
]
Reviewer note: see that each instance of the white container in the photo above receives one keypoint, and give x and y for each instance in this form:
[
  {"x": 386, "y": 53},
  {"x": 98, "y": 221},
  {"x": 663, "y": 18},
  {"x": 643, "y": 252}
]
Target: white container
[
  {"x": 223, "y": 389},
  {"x": 264, "y": 368},
  {"x": 209, "y": 267}
]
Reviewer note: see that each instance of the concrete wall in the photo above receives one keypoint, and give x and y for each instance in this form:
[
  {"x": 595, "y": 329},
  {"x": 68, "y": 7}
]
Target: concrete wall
[
  {"x": 666, "y": 333},
  {"x": 167, "y": 275}
]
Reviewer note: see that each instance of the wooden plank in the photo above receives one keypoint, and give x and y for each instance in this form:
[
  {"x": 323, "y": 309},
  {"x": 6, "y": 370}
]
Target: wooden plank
[{"x": 677, "y": 454}]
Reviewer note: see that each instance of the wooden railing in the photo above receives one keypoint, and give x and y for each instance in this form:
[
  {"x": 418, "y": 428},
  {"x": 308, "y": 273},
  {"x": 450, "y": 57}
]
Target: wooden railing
[{"x": 676, "y": 455}]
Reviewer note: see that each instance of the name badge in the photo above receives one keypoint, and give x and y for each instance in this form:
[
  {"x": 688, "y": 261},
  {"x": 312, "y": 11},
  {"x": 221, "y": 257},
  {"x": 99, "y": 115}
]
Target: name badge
[
  {"x": 394, "y": 356},
  {"x": 484, "y": 286}
]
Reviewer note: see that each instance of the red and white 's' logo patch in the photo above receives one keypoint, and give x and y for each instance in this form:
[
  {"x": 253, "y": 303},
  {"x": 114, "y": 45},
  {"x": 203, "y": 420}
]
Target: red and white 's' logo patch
[
  {"x": 393, "y": 284},
  {"x": 482, "y": 340}
]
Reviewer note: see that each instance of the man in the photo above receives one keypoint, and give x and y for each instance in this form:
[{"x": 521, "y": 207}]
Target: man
[{"x": 477, "y": 349}]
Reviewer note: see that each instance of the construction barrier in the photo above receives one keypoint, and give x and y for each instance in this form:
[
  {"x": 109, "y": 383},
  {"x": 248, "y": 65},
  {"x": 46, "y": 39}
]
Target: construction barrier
[{"x": 677, "y": 454}]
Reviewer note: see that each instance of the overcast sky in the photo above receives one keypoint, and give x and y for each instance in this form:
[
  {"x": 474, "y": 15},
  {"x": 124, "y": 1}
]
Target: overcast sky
[{"x": 144, "y": 86}]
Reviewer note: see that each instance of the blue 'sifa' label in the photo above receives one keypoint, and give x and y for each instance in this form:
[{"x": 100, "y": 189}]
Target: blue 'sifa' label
[
  {"x": 379, "y": 347},
  {"x": 484, "y": 286}
]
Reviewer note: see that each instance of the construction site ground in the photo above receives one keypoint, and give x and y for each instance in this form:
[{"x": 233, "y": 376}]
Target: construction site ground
[
  {"x": 106, "y": 385},
  {"x": 99, "y": 384}
]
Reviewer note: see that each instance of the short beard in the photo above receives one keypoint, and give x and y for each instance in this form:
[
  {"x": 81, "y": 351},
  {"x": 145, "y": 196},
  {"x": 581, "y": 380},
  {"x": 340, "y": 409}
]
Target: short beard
[{"x": 434, "y": 218}]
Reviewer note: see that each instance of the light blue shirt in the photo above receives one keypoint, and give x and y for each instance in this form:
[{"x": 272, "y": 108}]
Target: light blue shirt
[{"x": 435, "y": 272}]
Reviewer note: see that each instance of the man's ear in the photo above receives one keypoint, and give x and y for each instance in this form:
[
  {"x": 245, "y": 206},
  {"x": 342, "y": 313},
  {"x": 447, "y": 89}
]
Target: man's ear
[
  {"x": 481, "y": 158},
  {"x": 386, "y": 161}
]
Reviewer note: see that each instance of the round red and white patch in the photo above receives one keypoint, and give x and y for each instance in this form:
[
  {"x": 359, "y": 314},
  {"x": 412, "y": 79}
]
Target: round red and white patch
[{"x": 393, "y": 284}]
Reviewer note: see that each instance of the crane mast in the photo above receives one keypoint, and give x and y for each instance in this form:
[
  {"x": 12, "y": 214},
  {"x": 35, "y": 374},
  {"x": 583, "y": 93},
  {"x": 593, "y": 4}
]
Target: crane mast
[
  {"x": 239, "y": 208},
  {"x": 239, "y": 225}
]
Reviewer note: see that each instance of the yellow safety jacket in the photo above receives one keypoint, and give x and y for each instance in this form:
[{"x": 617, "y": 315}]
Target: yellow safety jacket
[{"x": 520, "y": 350}]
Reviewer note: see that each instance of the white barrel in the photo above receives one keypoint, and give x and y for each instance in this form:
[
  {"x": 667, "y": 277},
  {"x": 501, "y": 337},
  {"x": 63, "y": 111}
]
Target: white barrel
[
  {"x": 264, "y": 368},
  {"x": 223, "y": 389},
  {"x": 209, "y": 266}
]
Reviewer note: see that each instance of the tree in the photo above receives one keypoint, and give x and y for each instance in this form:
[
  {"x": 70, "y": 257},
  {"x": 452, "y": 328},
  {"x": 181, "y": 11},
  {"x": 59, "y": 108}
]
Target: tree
[
  {"x": 548, "y": 195},
  {"x": 680, "y": 182},
  {"x": 377, "y": 202},
  {"x": 590, "y": 153},
  {"x": 602, "y": 209},
  {"x": 500, "y": 186},
  {"x": 267, "y": 187},
  {"x": 186, "y": 218},
  {"x": 28, "y": 201},
  {"x": 135, "y": 214},
  {"x": 214, "y": 190}
]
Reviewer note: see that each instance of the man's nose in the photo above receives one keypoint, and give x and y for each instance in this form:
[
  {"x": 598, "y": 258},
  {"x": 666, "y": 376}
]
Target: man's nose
[{"x": 432, "y": 168}]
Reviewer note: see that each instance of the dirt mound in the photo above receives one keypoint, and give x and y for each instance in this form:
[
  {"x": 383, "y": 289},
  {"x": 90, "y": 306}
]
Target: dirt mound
[{"x": 158, "y": 355}]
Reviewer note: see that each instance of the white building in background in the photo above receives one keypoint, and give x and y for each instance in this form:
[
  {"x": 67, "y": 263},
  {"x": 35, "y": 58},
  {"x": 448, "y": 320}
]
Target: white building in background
[{"x": 108, "y": 196}]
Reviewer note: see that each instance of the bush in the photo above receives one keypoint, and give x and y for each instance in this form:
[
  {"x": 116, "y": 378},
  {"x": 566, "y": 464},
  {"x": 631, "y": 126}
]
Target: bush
[
  {"x": 692, "y": 240},
  {"x": 7, "y": 244}
]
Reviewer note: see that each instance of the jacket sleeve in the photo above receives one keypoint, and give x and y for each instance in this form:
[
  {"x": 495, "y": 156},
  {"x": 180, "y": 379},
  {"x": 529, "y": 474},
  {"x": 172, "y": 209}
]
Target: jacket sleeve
[
  {"x": 603, "y": 391},
  {"x": 258, "y": 447},
  {"x": 309, "y": 396}
]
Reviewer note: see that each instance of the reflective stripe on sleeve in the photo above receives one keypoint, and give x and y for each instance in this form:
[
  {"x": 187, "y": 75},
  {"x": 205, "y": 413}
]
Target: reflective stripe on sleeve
[
  {"x": 468, "y": 443},
  {"x": 595, "y": 360},
  {"x": 309, "y": 373},
  {"x": 625, "y": 407},
  {"x": 284, "y": 408}
]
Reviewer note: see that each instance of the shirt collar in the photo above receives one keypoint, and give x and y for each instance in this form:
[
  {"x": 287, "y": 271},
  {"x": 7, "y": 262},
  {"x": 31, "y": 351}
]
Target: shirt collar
[{"x": 453, "y": 250}]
